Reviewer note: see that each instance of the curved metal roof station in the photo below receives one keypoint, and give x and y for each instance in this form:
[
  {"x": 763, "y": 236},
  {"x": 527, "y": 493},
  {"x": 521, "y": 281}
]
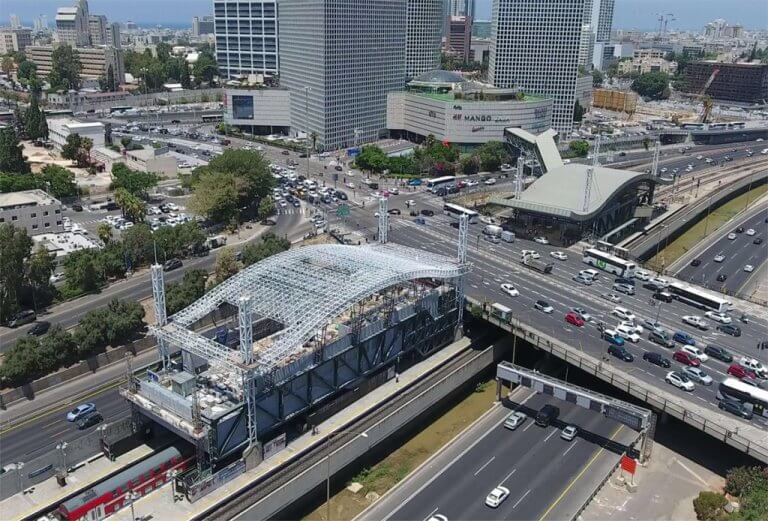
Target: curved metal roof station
[{"x": 303, "y": 289}]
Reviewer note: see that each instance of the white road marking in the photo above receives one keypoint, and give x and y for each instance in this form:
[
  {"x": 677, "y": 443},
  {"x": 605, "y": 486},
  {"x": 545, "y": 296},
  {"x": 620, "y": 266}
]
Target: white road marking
[
  {"x": 478, "y": 471},
  {"x": 508, "y": 476},
  {"x": 521, "y": 498},
  {"x": 528, "y": 426},
  {"x": 569, "y": 448},
  {"x": 550, "y": 435},
  {"x": 430, "y": 514}
]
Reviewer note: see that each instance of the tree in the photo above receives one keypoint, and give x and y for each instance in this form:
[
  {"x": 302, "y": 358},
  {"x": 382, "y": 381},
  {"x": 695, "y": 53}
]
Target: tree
[
  {"x": 7, "y": 65},
  {"x": 709, "y": 506},
  {"x": 470, "y": 165},
  {"x": 132, "y": 206},
  {"x": 182, "y": 294},
  {"x": 139, "y": 244},
  {"x": 579, "y": 147},
  {"x": 184, "y": 77},
  {"x": 205, "y": 67},
  {"x": 225, "y": 267},
  {"x": 65, "y": 68},
  {"x": 12, "y": 159},
  {"x": 646, "y": 143},
  {"x": 132, "y": 181},
  {"x": 125, "y": 141},
  {"x": 739, "y": 479},
  {"x": 578, "y": 111},
  {"x": 78, "y": 149},
  {"x": 266, "y": 207},
  {"x": 81, "y": 271},
  {"x": 104, "y": 232},
  {"x": 652, "y": 85},
  {"x": 269, "y": 245},
  {"x": 492, "y": 155},
  {"x": 371, "y": 158},
  {"x": 22, "y": 362},
  {"x": 216, "y": 196},
  {"x": 597, "y": 78},
  {"x": 15, "y": 246},
  {"x": 59, "y": 181},
  {"x": 27, "y": 71}
]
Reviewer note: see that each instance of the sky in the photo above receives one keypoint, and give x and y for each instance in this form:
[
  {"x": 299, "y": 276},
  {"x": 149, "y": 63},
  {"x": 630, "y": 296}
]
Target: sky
[{"x": 628, "y": 14}]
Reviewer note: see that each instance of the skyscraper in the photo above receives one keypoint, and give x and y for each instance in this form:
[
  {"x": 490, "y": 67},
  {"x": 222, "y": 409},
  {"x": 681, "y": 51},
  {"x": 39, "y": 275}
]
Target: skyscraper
[
  {"x": 339, "y": 59},
  {"x": 113, "y": 35},
  {"x": 602, "y": 19},
  {"x": 72, "y": 25},
  {"x": 459, "y": 37},
  {"x": 461, "y": 8},
  {"x": 424, "y": 21},
  {"x": 15, "y": 22},
  {"x": 535, "y": 47},
  {"x": 97, "y": 27},
  {"x": 246, "y": 37}
]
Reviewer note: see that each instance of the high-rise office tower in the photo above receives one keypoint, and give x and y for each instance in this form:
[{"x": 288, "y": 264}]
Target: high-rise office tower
[
  {"x": 461, "y": 8},
  {"x": 602, "y": 19},
  {"x": 246, "y": 37},
  {"x": 113, "y": 35},
  {"x": 459, "y": 37},
  {"x": 201, "y": 26},
  {"x": 72, "y": 25},
  {"x": 424, "y": 20},
  {"x": 15, "y": 21},
  {"x": 535, "y": 47},
  {"x": 97, "y": 27},
  {"x": 586, "y": 45},
  {"x": 339, "y": 59}
]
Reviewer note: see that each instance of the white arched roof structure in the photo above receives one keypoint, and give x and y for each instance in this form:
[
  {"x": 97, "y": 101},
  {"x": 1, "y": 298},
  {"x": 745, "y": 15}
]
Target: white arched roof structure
[{"x": 304, "y": 288}]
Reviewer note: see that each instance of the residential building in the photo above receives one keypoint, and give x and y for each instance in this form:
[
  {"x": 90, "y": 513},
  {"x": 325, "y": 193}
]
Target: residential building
[
  {"x": 462, "y": 8},
  {"x": 97, "y": 27},
  {"x": 339, "y": 59},
  {"x": 32, "y": 210},
  {"x": 465, "y": 113},
  {"x": 535, "y": 48},
  {"x": 201, "y": 26},
  {"x": 424, "y": 21},
  {"x": 60, "y": 128},
  {"x": 113, "y": 35},
  {"x": 459, "y": 37},
  {"x": 97, "y": 62},
  {"x": 72, "y": 25},
  {"x": 742, "y": 82},
  {"x": 647, "y": 60},
  {"x": 602, "y": 19},
  {"x": 14, "y": 40},
  {"x": 258, "y": 110},
  {"x": 246, "y": 37}
]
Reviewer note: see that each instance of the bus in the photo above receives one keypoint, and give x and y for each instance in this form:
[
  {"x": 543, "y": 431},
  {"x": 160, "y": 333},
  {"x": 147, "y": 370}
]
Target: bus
[
  {"x": 698, "y": 298},
  {"x": 120, "y": 108},
  {"x": 212, "y": 118},
  {"x": 440, "y": 182},
  {"x": 735, "y": 389},
  {"x": 455, "y": 211},
  {"x": 610, "y": 263}
]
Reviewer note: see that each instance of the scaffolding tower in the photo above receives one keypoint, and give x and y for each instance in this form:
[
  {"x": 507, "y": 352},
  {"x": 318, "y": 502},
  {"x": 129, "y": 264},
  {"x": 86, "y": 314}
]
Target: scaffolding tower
[
  {"x": 158, "y": 292},
  {"x": 383, "y": 220}
]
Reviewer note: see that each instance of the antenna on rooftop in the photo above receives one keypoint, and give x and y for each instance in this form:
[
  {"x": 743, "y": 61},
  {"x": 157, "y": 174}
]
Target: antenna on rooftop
[{"x": 590, "y": 175}]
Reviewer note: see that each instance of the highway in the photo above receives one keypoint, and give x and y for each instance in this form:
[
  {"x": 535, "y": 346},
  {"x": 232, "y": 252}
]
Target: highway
[
  {"x": 738, "y": 252},
  {"x": 541, "y": 470}
]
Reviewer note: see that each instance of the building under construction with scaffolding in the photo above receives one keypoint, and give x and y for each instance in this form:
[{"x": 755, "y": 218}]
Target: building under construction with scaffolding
[{"x": 308, "y": 325}]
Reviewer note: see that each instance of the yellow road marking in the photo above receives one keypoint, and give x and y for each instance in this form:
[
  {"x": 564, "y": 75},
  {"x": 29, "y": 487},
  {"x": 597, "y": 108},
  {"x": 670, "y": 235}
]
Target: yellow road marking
[{"x": 574, "y": 480}]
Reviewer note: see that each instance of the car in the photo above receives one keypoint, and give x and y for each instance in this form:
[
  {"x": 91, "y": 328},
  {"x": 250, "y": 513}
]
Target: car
[
  {"x": 758, "y": 240},
  {"x": 471, "y": 182},
  {"x": 514, "y": 420},
  {"x": 740, "y": 229},
  {"x": 394, "y": 211},
  {"x": 755, "y": 366},
  {"x": 683, "y": 338},
  {"x": 582, "y": 280},
  {"x": 612, "y": 337},
  {"x": 569, "y": 432},
  {"x": 740, "y": 372},
  {"x": 696, "y": 321},
  {"x": 285, "y": 153},
  {"x": 718, "y": 352},
  {"x": 611, "y": 297},
  {"x": 492, "y": 238},
  {"x": 751, "y": 232},
  {"x": 729, "y": 329},
  {"x": 662, "y": 283},
  {"x": 627, "y": 333},
  {"x": 731, "y": 236},
  {"x": 722, "y": 277},
  {"x": 663, "y": 296},
  {"x": 624, "y": 280},
  {"x": 686, "y": 359},
  {"x": 718, "y": 317},
  {"x": 749, "y": 268},
  {"x": 427, "y": 213},
  {"x": 697, "y": 375},
  {"x": 22, "y": 317},
  {"x": 490, "y": 181},
  {"x": 40, "y": 328},
  {"x": 497, "y": 496},
  {"x": 510, "y": 289},
  {"x": 573, "y": 318},
  {"x": 642, "y": 275},
  {"x": 487, "y": 219},
  {"x": 592, "y": 274},
  {"x": 696, "y": 262},
  {"x": 56, "y": 277},
  {"x": 543, "y": 305},
  {"x": 172, "y": 264},
  {"x": 679, "y": 380},
  {"x": 637, "y": 328},
  {"x": 719, "y": 257},
  {"x": 533, "y": 254},
  {"x": 620, "y": 352},
  {"x": 656, "y": 359},
  {"x": 624, "y": 288},
  {"x": 80, "y": 411},
  {"x": 623, "y": 314},
  {"x": 77, "y": 207},
  {"x": 541, "y": 240},
  {"x": 661, "y": 338},
  {"x": 735, "y": 407},
  {"x": 582, "y": 314},
  {"x": 558, "y": 255},
  {"x": 89, "y": 420}
]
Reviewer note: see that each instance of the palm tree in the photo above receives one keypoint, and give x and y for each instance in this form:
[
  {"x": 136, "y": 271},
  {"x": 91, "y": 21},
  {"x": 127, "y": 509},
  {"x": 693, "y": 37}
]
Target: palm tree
[
  {"x": 313, "y": 137},
  {"x": 104, "y": 231}
]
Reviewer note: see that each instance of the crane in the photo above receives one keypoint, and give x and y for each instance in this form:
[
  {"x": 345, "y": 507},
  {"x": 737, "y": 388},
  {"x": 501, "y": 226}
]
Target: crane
[{"x": 706, "y": 100}]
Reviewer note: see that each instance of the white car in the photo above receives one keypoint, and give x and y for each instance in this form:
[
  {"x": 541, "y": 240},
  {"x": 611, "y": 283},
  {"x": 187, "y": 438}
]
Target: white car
[
  {"x": 697, "y": 375},
  {"x": 679, "y": 380},
  {"x": 751, "y": 232},
  {"x": 754, "y": 365},
  {"x": 472, "y": 182},
  {"x": 488, "y": 220},
  {"x": 664, "y": 283},
  {"x": 611, "y": 297},
  {"x": 540, "y": 240},
  {"x": 637, "y": 328},
  {"x": 530, "y": 253},
  {"x": 696, "y": 321},
  {"x": 56, "y": 277},
  {"x": 569, "y": 432},
  {"x": 514, "y": 420},
  {"x": 642, "y": 275},
  {"x": 719, "y": 257},
  {"x": 718, "y": 317},
  {"x": 509, "y": 289},
  {"x": 497, "y": 496},
  {"x": 438, "y": 517},
  {"x": 623, "y": 314},
  {"x": 699, "y": 157},
  {"x": 695, "y": 352},
  {"x": 558, "y": 255},
  {"x": 731, "y": 236},
  {"x": 749, "y": 268},
  {"x": 627, "y": 333},
  {"x": 491, "y": 181}
]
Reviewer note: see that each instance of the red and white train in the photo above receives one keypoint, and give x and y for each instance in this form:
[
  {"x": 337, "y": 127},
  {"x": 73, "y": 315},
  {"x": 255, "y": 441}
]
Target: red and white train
[{"x": 109, "y": 496}]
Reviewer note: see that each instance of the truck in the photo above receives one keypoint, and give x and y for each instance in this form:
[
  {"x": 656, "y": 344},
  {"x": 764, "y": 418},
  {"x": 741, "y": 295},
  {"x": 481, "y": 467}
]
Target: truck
[
  {"x": 536, "y": 264},
  {"x": 501, "y": 311},
  {"x": 507, "y": 236},
  {"x": 493, "y": 230}
]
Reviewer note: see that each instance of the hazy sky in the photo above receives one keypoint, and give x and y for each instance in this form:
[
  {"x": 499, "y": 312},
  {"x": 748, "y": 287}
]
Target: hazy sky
[{"x": 640, "y": 14}]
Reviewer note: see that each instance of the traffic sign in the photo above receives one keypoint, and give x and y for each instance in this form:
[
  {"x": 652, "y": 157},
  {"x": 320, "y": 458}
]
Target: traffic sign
[
  {"x": 628, "y": 464},
  {"x": 342, "y": 210}
]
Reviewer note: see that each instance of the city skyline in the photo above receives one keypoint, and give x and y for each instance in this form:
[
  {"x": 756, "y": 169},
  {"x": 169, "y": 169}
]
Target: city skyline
[{"x": 629, "y": 14}]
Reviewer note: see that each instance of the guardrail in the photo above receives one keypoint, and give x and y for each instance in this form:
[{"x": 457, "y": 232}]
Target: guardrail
[{"x": 632, "y": 386}]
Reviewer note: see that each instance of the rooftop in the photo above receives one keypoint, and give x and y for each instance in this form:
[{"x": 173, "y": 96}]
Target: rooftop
[{"x": 25, "y": 198}]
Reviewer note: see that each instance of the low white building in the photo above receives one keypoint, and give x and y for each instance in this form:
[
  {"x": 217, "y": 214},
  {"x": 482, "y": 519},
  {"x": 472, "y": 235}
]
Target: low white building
[
  {"x": 33, "y": 210},
  {"x": 60, "y": 128},
  {"x": 150, "y": 159},
  {"x": 258, "y": 110}
]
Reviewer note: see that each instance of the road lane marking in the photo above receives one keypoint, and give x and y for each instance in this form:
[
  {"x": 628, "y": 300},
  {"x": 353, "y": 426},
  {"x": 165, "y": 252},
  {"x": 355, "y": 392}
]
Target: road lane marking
[
  {"x": 430, "y": 514},
  {"x": 485, "y": 465},
  {"x": 550, "y": 435},
  {"x": 521, "y": 498},
  {"x": 579, "y": 475},
  {"x": 571, "y": 447},
  {"x": 528, "y": 426},
  {"x": 508, "y": 476}
]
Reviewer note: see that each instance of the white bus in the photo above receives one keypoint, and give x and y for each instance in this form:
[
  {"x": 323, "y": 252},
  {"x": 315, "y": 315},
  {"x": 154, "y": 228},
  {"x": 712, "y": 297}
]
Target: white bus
[
  {"x": 455, "y": 211},
  {"x": 698, "y": 298},
  {"x": 610, "y": 263},
  {"x": 734, "y": 389},
  {"x": 440, "y": 182}
]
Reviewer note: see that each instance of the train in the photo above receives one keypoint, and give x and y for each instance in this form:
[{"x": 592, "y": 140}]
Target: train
[{"x": 111, "y": 495}]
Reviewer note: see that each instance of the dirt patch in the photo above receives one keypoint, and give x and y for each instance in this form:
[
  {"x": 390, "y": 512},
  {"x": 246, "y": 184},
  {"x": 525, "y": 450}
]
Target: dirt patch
[{"x": 388, "y": 472}]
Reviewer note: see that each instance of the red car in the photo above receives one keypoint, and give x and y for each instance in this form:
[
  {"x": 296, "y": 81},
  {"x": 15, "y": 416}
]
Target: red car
[
  {"x": 740, "y": 372},
  {"x": 572, "y": 318},
  {"x": 460, "y": 184},
  {"x": 686, "y": 359}
]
